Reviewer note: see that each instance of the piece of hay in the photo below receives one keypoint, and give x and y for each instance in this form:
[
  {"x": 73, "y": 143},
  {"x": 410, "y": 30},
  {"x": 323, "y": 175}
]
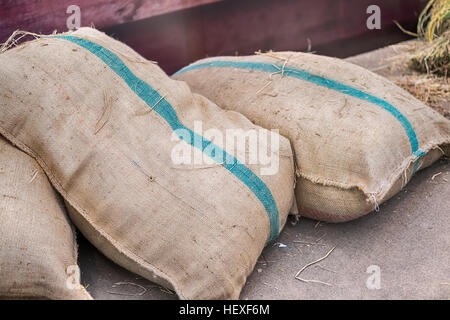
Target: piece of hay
[
  {"x": 297, "y": 276},
  {"x": 141, "y": 293}
]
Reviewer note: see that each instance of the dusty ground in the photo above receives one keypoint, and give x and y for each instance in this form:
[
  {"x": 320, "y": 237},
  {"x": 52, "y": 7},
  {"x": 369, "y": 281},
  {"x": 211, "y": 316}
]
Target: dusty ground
[{"x": 409, "y": 240}]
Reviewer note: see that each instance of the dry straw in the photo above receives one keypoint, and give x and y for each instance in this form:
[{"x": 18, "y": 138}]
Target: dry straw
[{"x": 433, "y": 27}]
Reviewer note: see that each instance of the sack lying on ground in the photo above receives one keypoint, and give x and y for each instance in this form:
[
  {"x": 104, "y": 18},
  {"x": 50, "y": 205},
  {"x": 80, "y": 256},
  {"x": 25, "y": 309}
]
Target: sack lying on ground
[
  {"x": 357, "y": 137},
  {"x": 38, "y": 252},
  {"x": 104, "y": 124}
]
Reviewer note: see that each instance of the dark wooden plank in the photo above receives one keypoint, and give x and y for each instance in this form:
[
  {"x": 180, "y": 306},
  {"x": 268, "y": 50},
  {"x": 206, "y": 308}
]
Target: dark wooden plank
[
  {"x": 334, "y": 27},
  {"x": 44, "y": 16}
]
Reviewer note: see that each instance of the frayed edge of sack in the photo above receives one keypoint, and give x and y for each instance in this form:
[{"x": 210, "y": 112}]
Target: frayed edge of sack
[{"x": 378, "y": 196}]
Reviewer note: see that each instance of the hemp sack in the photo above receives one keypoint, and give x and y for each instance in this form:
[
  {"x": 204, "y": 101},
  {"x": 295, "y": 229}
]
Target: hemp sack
[
  {"x": 357, "y": 138},
  {"x": 38, "y": 251},
  {"x": 103, "y": 123}
]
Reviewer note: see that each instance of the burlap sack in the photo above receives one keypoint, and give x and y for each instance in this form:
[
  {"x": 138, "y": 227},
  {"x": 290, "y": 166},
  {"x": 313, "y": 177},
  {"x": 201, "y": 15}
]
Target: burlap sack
[
  {"x": 38, "y": 252},
  {"x": 357, "y": 137},
  {"x": 100, "y": 120}
]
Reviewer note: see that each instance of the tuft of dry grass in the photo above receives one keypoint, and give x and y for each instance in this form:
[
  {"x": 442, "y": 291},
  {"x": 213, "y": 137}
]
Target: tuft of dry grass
[
  {"x": 435, "y": 57},
  {"x": 434, "y": 19},
  {"x": 433, "y": 27}
]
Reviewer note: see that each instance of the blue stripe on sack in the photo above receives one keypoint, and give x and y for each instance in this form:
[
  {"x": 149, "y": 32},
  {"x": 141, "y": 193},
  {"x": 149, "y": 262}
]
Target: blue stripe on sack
[
  {"x": 157, "y": 103},
  {"x": 323, "y": 82}
]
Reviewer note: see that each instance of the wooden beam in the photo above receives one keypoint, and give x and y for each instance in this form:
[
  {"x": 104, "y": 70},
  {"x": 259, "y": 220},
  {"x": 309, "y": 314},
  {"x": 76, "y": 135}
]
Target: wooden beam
[
  {"x": 44, "y": 16},
  {"x": 181, "y": 31},
  {"x": 333, "y": 27}
]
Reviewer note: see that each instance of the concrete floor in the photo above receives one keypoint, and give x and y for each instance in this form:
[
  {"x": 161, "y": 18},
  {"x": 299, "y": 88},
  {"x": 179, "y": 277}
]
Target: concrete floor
[{"x": 409, "y": 239}]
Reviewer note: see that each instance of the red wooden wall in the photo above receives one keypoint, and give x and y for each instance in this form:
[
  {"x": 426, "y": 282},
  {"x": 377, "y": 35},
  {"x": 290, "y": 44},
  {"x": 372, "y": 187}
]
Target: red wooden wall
[{"x": 177, "y": 32}]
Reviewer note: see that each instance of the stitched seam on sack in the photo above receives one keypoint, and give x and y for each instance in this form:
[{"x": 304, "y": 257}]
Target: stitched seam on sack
[{"x": 397, "y": 173}]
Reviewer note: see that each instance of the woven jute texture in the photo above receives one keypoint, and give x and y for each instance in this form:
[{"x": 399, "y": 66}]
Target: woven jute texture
[
  {"x": 357, "y": 137},
  {"x": 38, "y": 252},
  {"x": 103, "y": 123}
]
